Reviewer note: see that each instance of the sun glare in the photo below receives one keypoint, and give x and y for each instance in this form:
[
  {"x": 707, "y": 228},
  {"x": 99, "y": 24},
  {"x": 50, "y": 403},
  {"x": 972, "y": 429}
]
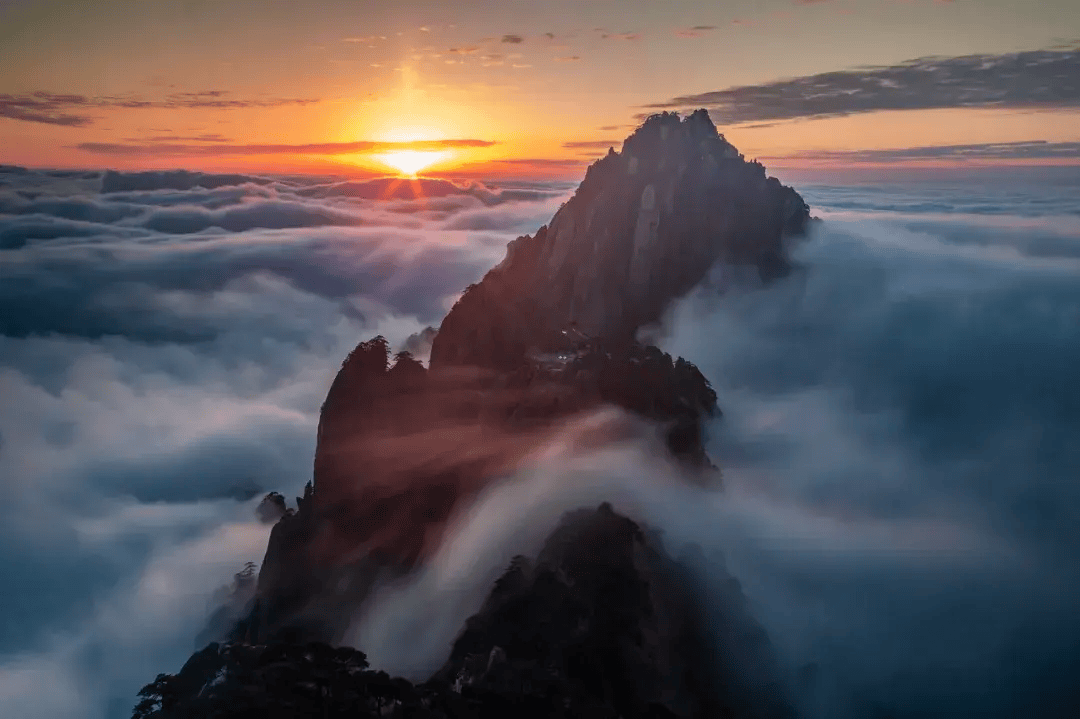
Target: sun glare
[{"x": 410, "y": 162}]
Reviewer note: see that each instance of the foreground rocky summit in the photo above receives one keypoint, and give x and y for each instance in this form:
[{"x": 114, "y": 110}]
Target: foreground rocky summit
[
  {"x": 606, "y": 624},
  {"x": 618, "y": 630}
]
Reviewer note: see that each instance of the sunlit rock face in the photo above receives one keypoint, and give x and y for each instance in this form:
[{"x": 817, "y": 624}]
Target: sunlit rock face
[
  {"x": 547, "y": 335},
  {"x": 643, "y": 228}
]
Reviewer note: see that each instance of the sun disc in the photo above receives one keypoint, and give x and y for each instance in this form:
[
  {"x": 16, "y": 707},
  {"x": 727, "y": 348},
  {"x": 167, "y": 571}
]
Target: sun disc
[{"x": 410, "y": 162}]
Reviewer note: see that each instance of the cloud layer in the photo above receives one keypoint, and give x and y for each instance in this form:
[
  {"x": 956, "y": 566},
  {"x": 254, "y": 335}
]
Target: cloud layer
[
  {"x": 898, "y": 439},
  {"x": 165, "y": 348}
]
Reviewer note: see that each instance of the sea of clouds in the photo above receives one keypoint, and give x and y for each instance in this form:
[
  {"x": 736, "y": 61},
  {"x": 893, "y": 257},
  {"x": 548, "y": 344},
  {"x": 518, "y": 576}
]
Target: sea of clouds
[
  {"x": 166, "y": 341},
  {"x": 899, "y": 439}
]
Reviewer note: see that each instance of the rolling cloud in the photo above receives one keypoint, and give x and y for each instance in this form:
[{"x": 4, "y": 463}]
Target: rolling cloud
[
  {"x": 157, "y": 368},
  {"x": 1039, "y": 79},
  {"x": 898, "y": 440}
]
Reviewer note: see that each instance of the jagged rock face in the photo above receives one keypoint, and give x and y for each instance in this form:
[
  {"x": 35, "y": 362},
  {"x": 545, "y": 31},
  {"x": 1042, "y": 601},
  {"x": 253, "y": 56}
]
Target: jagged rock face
[
  {"x": 588, "y": 613},
  {"x": 602, "y": 624},
  {"x": 401, "y": 449},
  {"x": 605, "y": 615},
  {"x": 643, "y": 228}
]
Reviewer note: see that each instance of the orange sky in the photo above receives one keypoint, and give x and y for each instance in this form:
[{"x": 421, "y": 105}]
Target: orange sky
[{"x": 197, "y": 84}]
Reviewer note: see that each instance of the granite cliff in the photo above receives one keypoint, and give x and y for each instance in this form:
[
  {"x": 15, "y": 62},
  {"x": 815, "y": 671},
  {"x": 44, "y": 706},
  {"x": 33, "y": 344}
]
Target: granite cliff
[{"x": 644, "y": 227}]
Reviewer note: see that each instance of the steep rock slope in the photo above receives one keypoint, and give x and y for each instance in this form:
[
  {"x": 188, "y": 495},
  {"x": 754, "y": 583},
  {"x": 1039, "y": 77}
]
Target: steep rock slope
[
  {"x": 605, "y": 616},
  {"x": 643, "y": 228},
  {"x": 547, "y": 335}
]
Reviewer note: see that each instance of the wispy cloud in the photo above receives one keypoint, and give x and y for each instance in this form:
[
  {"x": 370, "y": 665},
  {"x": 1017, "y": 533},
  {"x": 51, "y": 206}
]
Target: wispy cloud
[
  {"x": 1039, "y": 79},
  {"x": 696, "y": 31},
  {"x": 74, "y": 110},
  {"x": 208, "y": 137},
  {"x": 591, "y": 144},
  {"x": 1032, "y": 150},
  {"x": 45, "y": 107},
  {"x": 320, "y": 148},
  {"x": 605, "y": 35},
  {"x": 543, "y": 162}
]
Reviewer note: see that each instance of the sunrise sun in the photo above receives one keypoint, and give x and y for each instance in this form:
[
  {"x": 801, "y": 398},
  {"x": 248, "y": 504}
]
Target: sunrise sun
[{"x": 410, "y": 162}]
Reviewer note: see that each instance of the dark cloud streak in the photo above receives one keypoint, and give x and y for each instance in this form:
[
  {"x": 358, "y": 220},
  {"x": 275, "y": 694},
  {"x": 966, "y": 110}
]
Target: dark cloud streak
[
  {"x": 317, "y": 148},
  {"x": 1039, "y": 79},
  {"x": 1033, "y": 150},
  {"x": 73, "y": 110},
  {"x": 591, "y": 144},
  {"x": 545, "y": 162},
  {"x": 46, "y": 108},
  {"x": 696, "y": 31}
]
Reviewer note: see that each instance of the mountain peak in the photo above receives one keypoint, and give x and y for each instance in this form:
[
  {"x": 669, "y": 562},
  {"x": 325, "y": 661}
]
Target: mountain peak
[{"x": 642, "y": 229}]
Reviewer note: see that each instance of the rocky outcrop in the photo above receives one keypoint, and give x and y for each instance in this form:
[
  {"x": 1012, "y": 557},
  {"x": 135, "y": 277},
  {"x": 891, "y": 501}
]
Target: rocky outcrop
[
  {"x": 271, "y": 508},
  {"x": 419, "y": 344},
  {"x": 401, "y": 448},
  {"x": 643, "y": 228},
  {"x": 603, "y": 623},
  {"x": 604, "y": 615}
]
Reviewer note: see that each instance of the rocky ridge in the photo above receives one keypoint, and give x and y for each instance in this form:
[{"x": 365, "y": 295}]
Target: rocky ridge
[{"x": 622, "y": 630}]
